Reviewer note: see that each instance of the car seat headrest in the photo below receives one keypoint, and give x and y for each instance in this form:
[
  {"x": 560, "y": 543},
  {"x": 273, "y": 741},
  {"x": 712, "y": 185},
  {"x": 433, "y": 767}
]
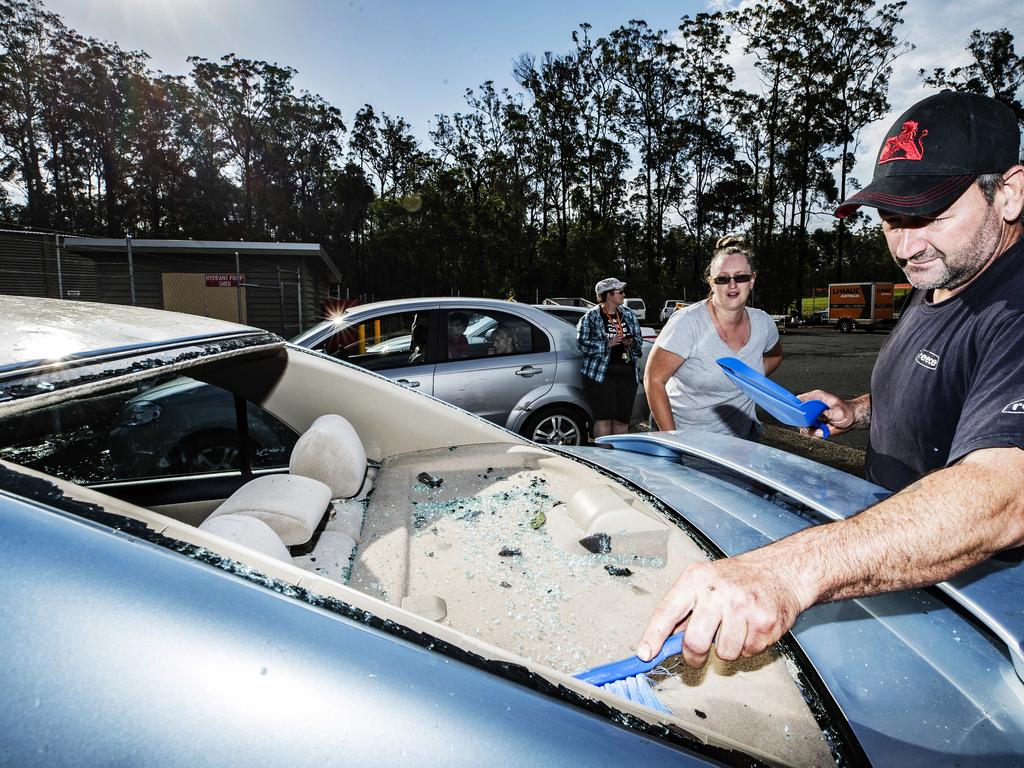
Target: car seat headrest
[{"x": 330, "y": 451}]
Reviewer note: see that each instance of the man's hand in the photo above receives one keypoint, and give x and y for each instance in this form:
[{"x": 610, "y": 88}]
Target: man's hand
[
  {"x": 748, "y": 601},
  {"x": 841, "y": 415}
]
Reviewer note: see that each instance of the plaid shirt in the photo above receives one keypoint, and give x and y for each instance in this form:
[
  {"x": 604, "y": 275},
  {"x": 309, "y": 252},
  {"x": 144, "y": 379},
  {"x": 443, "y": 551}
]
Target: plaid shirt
[{"x": 592, "y": 340}]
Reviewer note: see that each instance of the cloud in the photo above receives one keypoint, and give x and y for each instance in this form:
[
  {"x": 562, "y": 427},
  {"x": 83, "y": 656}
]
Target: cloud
[{"x": 939, "y": 31}]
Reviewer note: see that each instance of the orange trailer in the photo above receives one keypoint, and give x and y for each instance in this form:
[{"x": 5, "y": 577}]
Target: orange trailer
[{"x": 860, "y": 305}]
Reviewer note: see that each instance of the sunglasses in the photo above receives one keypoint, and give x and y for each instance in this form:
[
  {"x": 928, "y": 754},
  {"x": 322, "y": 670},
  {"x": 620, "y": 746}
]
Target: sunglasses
[
  {"x": 616, "y": 291},
  {"x": 726, "y": 279}
]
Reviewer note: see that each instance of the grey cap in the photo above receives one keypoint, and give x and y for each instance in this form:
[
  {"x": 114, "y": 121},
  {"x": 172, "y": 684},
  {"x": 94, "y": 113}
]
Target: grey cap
[{"x": 608, "y": 284}]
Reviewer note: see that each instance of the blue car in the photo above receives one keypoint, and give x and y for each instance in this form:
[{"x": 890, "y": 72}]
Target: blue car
[{"x": 401, "y": 582}]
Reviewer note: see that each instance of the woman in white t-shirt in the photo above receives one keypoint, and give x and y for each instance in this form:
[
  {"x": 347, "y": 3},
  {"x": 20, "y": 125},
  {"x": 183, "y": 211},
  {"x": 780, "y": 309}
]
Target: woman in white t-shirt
[{"x": 685, "y": 386}]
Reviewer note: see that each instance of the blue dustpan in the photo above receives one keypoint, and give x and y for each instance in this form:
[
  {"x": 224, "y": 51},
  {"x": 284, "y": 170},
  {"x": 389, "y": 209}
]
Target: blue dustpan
[{"x": 779, "y": 402}]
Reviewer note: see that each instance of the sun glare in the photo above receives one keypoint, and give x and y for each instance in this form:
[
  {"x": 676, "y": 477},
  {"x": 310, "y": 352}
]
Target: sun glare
[{"x": 46, "y": 345}]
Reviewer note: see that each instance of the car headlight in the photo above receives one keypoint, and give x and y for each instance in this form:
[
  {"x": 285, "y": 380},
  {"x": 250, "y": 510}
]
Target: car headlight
[{"x": 138, "y": 414}]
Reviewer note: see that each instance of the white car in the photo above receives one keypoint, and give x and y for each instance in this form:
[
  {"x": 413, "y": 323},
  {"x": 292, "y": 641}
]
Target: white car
[
  {"x": 671, "y": 306},
  {"x": 638, "y": 307}
]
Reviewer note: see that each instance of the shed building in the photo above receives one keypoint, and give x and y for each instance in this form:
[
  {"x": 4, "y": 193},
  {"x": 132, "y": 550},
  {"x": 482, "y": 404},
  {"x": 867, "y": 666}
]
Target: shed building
[{"x": 281, "y": 287}]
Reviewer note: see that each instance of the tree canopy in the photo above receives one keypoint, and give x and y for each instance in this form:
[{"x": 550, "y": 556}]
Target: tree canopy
[{"x": 626, "y": 154}]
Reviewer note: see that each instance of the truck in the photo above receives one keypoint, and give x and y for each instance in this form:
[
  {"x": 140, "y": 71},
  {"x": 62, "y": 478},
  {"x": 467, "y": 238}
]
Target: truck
[{"x": 860, "y": 305}]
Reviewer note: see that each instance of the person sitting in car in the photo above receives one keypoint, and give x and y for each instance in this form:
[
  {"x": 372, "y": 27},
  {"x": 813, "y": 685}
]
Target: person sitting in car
[
  {"x": 503, "y": 341},
  {"x": 458, "y": 344}
]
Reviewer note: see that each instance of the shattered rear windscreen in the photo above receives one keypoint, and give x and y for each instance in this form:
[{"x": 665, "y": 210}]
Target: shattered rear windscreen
[{"x": 508, "y": 546}]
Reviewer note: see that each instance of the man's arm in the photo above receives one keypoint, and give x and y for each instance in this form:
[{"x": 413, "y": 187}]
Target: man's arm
[
  {"x": 842, "y": 415},
  {"x": 661, "y": 366},
  {"x": 928, "y": 532}
]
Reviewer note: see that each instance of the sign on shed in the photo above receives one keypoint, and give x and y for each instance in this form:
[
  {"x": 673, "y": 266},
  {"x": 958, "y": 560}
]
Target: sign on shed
[
  {"x": 224, "y": 280},
  {"x": 189, "y": 292}
]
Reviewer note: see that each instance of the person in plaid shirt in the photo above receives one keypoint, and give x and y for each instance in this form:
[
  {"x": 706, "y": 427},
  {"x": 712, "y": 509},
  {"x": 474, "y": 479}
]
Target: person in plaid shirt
[{"x": 610, "y": 339}]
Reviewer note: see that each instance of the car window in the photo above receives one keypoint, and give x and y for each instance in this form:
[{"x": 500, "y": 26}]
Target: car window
[
  {"x": 379, "y": 343},
  {"x": 477, "y": 334},
  {"x": 160, "y": 428}
]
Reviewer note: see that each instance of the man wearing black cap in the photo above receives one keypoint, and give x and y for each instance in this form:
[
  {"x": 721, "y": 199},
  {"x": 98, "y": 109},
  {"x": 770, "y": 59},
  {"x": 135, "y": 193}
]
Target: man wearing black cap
[{"x": 946, "y": 408}]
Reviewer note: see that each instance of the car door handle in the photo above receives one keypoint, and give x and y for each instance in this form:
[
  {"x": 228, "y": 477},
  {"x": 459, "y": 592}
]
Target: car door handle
[
  {"x": 407, "y": 383},
  {"x": 528, "y": 371}
]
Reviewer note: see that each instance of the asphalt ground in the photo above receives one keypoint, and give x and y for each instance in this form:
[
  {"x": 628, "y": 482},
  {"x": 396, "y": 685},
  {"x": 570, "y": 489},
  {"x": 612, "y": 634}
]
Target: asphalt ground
[{"x": 840, "y": 363}]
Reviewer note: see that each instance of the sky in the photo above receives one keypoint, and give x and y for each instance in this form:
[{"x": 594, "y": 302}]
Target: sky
[{"x": 416, "y": 58}]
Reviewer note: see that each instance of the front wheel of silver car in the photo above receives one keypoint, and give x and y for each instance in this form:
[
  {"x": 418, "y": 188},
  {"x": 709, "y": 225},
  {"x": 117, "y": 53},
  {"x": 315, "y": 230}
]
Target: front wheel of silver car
[{"x": 556, "y": 426}]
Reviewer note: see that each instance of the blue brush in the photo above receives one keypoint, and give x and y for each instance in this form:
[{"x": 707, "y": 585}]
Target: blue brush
[
  {"x": 627, "y": 679},
  {"x": 778, "y": 401}
]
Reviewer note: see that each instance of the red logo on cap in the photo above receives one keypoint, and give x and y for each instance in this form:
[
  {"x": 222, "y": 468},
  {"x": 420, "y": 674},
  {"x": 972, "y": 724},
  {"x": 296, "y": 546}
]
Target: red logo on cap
[{"x": 906, "y": 146}]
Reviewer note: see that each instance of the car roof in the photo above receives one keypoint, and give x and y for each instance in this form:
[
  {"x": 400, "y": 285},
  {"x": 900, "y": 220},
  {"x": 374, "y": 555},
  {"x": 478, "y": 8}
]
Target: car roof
[
  {"x": 562, "y": 308},
  {"x": 436, "y": 301},
  {"x": 36, "y": 329},
  {"x": 421, "y": 304}
]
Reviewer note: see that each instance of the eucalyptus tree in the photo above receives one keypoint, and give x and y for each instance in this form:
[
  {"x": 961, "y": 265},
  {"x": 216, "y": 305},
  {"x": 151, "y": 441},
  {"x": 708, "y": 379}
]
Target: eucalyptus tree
[
  {"x": 860, "y": 69},
  {"x": 478, "y": 198},
  {"x": 26, "y": 33},
  {"x": 598, "y": 101},
  {"x": 161, "y": 154},
  {"x": 996, "y": 70},
  {"x": 705, "y": 79},
  {"x": 63, "y": 101},
  {"x": 350, "y": 197},
  {"x": 113, "y": 79},
  {"x": 754, "y": 145},
  {"x": 558, "y": 143},
  {"x": 241, "y": 96},
  {"x": 825, "y": 65},
  {"x": 790, "y": 51},
  {"x": 459, "y": 185},
  {"x": 644, "y": 62},
  {"x": 303, "y": 153},
  {"x": 385, "y": 148}
]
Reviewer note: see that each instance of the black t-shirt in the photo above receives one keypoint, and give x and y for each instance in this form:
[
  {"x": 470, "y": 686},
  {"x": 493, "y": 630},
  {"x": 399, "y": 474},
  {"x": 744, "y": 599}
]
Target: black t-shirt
[
  {"x": 619, "y": 353},
  {"x": 949, "y": 380}
]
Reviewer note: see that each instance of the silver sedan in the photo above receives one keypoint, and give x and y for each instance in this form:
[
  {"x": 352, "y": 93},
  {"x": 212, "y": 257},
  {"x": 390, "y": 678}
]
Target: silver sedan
[{"x": 510, "y": 363}]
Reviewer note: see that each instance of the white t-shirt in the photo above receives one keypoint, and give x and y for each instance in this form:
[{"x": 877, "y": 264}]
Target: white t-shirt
[{"x": 700, "y": 394}]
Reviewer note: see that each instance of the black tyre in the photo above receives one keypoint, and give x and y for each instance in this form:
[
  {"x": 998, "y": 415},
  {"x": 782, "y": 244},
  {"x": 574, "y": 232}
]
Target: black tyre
[
  {"x": 846, "y": 325},
  {"x": 557, "y": 425}
]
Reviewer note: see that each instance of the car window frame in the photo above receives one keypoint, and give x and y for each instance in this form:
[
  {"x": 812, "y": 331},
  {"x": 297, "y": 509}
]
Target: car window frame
[
  {"x": 540, "y": 339},
  {"x": 316, "y": 343}
]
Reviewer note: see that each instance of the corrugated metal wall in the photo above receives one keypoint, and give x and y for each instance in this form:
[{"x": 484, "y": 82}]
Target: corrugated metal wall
[{"x": 28, "y": 267}]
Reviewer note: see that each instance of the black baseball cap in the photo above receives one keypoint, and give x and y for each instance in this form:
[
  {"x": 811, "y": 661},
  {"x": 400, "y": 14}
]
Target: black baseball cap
[{"x": 936, "y": 150}]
